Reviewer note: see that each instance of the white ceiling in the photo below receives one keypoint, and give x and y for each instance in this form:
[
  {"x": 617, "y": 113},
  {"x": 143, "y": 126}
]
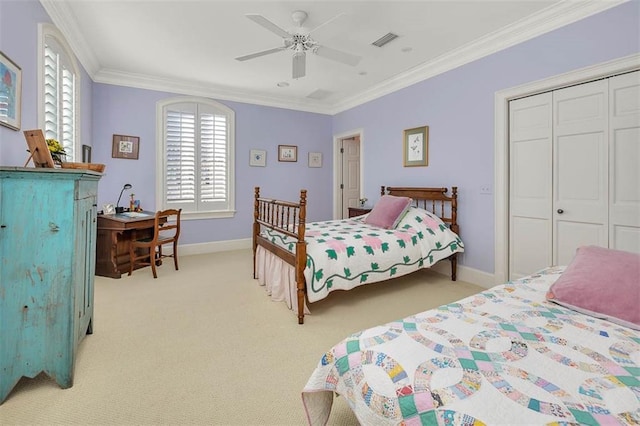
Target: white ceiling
[{"x": 189, "y": 46}]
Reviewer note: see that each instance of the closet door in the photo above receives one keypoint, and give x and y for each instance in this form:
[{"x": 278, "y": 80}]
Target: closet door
[
  {"x": 624, "y": 162},
  {"x": 580, "y": 169},
  {"x": 530, "y": 183}
]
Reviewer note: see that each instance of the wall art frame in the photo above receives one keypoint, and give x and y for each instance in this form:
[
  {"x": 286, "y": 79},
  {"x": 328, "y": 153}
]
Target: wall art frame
[
  {"x": 416, "y": 147},
  {"x": 125, "y": 146},
  {"x": 258, "y": 158},
  {"x": 288, "y": 153},
  {"x": 315, "y": 159},
  {"x": 10, "y": 93}
]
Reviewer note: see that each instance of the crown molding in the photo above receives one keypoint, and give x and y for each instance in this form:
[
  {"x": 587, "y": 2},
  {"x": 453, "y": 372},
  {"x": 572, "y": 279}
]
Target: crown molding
[
  {"x": 64, "y": 19},
  {"x": 185, "y": 87},
  {"x": 556, "y": 16},
  {"x": 549, "y": 19}
]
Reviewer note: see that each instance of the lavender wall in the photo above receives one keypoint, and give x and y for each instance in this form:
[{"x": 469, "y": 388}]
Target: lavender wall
[
  {"x": 458, "y": 107},
  {"x": 19, "y": 40},
  {"x": 127, "y": 111}
]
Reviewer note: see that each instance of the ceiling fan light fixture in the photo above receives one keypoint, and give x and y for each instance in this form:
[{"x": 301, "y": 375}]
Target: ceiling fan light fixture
[{"x": 299, "y": 65}]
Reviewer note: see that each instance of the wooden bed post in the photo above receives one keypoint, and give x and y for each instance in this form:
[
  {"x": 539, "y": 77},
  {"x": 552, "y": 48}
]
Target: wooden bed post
[
  {"x": 301, "y": 257},
  {"x": 256, "y": 228},
  {"x": 382, "y": 190},
  {"x": 455, "y": 228}
]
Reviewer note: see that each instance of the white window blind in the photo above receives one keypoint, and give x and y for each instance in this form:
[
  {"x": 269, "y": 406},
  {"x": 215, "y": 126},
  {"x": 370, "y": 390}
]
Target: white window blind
[
  {"x": 197, "y": 147},
  {"x": 59, "y": 96}
]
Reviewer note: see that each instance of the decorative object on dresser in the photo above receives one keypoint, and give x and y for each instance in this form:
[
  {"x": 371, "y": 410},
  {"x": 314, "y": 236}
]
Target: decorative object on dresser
[
  {"x": 416, "y": 147},
  {"x": 38, "y": 149},
  {"x": 304, "y": 262},
  {"x": 47, "y": 271},
  {"x": 357, "y": 211},
  {"x": 10, "y": 93},
  {"x": 125, "y": 147},
  {"x": 287, "y": 153},
  {"x": 86, "y": 153}
]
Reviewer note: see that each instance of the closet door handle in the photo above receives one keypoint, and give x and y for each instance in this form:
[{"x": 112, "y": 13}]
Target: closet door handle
[{"x": 560, "y": 211}]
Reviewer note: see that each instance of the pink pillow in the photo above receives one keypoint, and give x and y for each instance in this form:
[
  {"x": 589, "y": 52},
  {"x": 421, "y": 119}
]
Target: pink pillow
[
  {"x": 603, "y": 283},
  {"x": 388, "y": 212}
]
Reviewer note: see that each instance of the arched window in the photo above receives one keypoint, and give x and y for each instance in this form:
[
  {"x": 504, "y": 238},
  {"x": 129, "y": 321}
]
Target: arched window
[
  {"x": 195, "y": 157},
  {"x": 58, "y": 90}
]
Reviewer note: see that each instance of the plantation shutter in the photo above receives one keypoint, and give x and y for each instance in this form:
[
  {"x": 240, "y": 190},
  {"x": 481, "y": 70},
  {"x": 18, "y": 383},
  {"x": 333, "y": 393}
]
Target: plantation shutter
[
  {"x": 59, "y": 98},
  {"x": 196, "y": 158}
]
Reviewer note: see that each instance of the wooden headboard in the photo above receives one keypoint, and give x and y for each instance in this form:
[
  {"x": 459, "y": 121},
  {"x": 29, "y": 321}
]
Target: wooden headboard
[{"x": 434, "y": 200}]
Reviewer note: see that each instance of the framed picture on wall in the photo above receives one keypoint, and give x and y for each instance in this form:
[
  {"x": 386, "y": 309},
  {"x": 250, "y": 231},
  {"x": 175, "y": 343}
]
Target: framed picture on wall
[
  {"x": 10, "y": 93},
  {"x": 287, "y": 153},
  {"x": 125, "y": 147},
  {"x": 416, "y": 147},
  {"x": 315, "y": 159},
  {"x": 258, "y": 158}
]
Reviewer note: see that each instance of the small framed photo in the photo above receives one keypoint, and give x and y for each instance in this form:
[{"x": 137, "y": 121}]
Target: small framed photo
[
  {"x": 416, "y": 147},
  {"x": 10, "y": 93},
  {"x": 125, "y": 147},
  {"x": 258, "y": 158},
  {"x": 288, "y": 153},
  {"x": 315, "y": 159},
  {"x": 86, "y": 153}
]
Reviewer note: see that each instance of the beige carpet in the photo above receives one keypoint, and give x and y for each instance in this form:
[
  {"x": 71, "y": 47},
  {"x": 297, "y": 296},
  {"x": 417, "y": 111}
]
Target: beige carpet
[{"x": 206, "y": 346}]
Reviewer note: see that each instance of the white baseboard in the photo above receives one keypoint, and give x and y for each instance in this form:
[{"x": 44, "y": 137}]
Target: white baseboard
[
  {"x": 464, "y": 273},
  {"x": 215, "y": 246},
  {"x": 470, "y": 275}
]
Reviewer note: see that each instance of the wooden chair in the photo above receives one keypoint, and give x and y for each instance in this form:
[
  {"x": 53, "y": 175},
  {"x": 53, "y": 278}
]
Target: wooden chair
[{"x": 166, "y": 230}]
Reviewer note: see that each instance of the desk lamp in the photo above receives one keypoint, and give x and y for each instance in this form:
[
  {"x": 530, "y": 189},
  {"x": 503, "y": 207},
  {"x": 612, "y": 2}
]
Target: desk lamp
[{"x": 121, "y": 209}]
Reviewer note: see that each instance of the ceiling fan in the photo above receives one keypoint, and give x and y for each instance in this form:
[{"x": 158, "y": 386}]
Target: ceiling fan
[{"x": 300, "y": 42}]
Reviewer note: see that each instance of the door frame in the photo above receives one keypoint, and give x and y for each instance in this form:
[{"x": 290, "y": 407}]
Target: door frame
[
  {"x": 501, "y": 143},
  {"x": 337, "y": 167}
]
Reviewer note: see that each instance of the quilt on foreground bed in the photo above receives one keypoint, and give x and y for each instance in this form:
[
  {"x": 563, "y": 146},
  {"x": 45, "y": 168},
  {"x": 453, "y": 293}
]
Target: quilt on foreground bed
[
  {"x": 343, "y": 254},
  {"x": 503, "y": 356}
]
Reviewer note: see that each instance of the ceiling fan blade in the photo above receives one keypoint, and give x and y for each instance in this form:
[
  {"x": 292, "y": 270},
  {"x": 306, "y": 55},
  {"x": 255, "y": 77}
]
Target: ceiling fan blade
[
  {"x": 337, "y": 55},
  {"x": 258, "y": 54},
  {"x": 327, "y": 22},
  {"x": 299, "y": 64},
  {"x": 264, "y": 22}
]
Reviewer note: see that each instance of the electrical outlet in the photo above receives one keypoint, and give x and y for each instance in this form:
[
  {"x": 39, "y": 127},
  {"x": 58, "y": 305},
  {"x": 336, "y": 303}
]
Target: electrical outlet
[{"x": 485, "y": 189}]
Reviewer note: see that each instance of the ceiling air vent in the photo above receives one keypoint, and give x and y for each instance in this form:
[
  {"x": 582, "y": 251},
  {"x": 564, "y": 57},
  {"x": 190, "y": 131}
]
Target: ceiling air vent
[{"x": 385, "y": 39}]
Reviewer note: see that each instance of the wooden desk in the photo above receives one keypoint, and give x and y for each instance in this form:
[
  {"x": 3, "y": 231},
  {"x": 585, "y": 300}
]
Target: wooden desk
[{"x": 115, "y": 231}]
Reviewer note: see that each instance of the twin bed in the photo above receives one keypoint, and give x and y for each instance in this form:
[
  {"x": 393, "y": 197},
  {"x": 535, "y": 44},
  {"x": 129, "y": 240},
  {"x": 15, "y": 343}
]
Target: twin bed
[
  {"x": 559, "y": 347},
  {"x": 303, "y": 262}
]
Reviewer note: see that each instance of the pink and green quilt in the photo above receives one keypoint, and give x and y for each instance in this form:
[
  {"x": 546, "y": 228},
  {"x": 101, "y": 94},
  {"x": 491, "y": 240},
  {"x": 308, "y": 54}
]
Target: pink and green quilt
[
  {"x": 343, "y": 254},
  {"x": 505, "y": 356}
]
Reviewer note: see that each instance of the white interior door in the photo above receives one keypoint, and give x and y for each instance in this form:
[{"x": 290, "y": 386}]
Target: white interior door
[
  {"x": 624, "y": 162},
  {"x": 580, "y": 172},
  {"x": 530, "y": 198},
  {"x": 350, "y": 174}
]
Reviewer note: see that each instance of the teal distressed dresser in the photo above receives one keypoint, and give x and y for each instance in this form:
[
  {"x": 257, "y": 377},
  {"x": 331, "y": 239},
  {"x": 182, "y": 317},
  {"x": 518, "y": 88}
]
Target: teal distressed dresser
[{"x": 47, "y": 263}]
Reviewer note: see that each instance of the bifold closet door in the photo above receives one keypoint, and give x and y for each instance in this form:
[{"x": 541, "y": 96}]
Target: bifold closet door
[
  {"x": 530, "y": 184},
  {"x": 624, "y": 162},
  {"x": 580, "y": 169}
]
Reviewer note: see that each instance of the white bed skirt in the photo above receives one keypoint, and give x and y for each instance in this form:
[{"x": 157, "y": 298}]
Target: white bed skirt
[{"x": 278, "y": 279}]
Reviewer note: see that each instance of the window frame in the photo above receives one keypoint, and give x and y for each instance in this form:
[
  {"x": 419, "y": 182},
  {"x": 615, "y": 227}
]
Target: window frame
[
  {"x": 161, "y": 148},
  {"x": 46, "y": 30}
]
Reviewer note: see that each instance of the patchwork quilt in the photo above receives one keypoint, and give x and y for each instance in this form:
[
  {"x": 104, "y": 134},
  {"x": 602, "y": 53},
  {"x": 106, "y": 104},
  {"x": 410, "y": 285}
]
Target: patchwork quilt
[
  {"x": 504, "y": 356},
  {"x": 343, "y": 254}
]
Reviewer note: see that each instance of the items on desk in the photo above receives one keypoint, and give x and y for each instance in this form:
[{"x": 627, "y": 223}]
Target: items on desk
[
  {"x": 134, "y": 205},
  {"x": 121, "y": 209}
]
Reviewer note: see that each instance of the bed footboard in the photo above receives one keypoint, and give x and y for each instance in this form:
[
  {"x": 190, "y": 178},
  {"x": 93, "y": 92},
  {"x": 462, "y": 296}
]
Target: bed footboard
[{"x": 288, "y": 218}]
